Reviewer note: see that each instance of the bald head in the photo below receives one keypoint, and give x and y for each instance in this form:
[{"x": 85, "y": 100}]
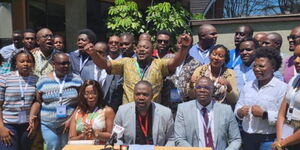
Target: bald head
[
  {"x": 294, "y": 38},
  {"x": 259, "y": 37},
  {"x": 272, "y": 39},
  {"x": 207, "y": 35},
  {"x": 145, "y": 36},
  {"x": 45, "y": 40},
  {"x": 41, "y": 31}
]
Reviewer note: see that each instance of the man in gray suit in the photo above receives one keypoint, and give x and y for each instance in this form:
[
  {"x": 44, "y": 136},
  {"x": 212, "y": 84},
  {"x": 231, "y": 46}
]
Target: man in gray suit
[
  {"x": 145, "y": 122},
  {"x": 205, "y": 123}
]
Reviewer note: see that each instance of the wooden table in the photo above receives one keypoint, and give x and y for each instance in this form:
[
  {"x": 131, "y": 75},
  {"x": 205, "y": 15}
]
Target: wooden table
[{"x": 98, "y": 147}]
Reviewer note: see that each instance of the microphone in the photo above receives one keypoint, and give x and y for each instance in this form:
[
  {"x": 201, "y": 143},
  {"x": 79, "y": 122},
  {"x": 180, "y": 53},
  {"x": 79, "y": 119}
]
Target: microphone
[{"x": 117, "y": 132}]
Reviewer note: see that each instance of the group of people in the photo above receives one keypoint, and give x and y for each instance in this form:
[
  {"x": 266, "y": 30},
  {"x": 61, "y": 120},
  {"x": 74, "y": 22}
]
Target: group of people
[{"x": 202, "y": 95}]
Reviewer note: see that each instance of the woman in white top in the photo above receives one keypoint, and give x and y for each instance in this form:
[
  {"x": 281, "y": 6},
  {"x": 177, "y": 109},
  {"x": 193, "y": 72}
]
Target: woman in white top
[{"x": 288, "y": 122}]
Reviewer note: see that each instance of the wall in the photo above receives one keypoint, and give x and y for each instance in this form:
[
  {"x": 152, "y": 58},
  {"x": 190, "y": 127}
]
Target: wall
[
  {"x": 226, "y": 27},
  {"x": 5, "y": 24}
]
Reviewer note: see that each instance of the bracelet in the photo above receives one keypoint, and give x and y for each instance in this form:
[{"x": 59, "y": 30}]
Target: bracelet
[{"x": 278, "y": 146}]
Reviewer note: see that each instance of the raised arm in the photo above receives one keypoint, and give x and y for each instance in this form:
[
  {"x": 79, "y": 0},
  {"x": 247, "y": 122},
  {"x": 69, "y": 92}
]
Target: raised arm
[
  {"x": 184, "y": 42},
  {"x": 98, "y": 59}
]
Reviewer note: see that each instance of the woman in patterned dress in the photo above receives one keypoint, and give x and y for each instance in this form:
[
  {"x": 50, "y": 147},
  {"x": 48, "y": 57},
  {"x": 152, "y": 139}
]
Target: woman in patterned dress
[{"x": 92, "y": 119}]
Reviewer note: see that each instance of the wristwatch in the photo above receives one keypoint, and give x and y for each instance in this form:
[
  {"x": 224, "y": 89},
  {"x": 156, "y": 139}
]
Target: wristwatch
[{"x": 265, "y": 115}]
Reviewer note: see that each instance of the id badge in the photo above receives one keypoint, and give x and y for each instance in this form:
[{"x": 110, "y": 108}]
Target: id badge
[
  {"x": 296, "y": 114},
  {"x": 61, "y": 111},
  {"x": 174, "y": 95},
  {"x": 287, "y": 130},
  {"x": 22, "y": 117}
]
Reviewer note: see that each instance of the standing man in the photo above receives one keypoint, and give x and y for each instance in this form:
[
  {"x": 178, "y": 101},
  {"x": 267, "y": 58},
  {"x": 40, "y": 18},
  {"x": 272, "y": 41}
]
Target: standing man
[
  {"x": 207, "y": 35},
  {"x": 127, "y": 44},
  {"x": 205, "y": 123},
  {"x": 8, "y": 51},
  {"x": 111, "y": 84},
  {"x": 145, "y": 122},
  {"x": 241, "y": 32},
  {"x": 114, "y": 51},
  {"x": 288, "y": 64},
  {"x": 259, "y": 37},
  {"x": 82, "y": 63},
  {"x": 29, "y": 40},
  {"x": 163, "y": 43},
  {"x": 144, "y": 67},
  {"x": 43, "y": 54}
]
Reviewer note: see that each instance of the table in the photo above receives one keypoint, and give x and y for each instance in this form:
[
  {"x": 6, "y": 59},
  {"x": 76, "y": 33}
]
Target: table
[{"x": 98, "y": 147}]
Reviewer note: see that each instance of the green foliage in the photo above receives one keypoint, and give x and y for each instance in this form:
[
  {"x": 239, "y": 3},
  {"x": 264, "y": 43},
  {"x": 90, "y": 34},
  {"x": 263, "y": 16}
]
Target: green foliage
[
  {"x": 164, "y": 16},
  {"x": 125, "y": 17},
  {"x": 198, "y": 16}
]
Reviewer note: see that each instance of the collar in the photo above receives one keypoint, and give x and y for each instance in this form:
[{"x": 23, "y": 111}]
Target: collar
[
  {"x": 245, "y": 68},
  {"x": 205, "y": 50},
  {"x": 272, "y": 83},
  {"x": 209, "y": 107},
  {"x": 119, "y": 57}
]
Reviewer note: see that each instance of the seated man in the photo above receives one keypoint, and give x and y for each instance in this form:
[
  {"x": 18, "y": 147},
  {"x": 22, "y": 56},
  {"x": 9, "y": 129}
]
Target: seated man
[
  {"x": 145, "y": 122},
  {"x": 205, "y": 123}
]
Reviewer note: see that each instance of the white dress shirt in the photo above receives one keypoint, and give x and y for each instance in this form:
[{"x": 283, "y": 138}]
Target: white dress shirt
[
  {"x": 210, "y": 112},
  {"x": 268, "y": 97}
]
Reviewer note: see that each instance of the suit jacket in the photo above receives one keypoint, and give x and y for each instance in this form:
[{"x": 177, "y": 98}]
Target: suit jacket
[
  {"x": 87, "y": 72},
  {"x": 226, "y": 130},
  {"x": 162, "y": 125},
  {"x": 113, "y": 91}
]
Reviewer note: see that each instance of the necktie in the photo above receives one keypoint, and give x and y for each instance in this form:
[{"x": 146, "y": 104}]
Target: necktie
[{"x": 207, "y": 132}]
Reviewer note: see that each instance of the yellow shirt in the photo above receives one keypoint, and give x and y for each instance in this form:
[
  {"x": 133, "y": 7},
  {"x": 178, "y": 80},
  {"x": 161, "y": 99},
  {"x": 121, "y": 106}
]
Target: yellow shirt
[{"x": 154, "y": 74}]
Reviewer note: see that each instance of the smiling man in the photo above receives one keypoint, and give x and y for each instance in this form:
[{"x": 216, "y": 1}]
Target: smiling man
[
  {"x": 145, "y": 122},
  {"x": 144, "y": 67}
]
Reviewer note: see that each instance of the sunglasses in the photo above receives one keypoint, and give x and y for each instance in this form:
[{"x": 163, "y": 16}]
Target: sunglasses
[
  {"x": 204, "y": 87},
  {"x": 161, "y": 41},
  {"x": 294, "y": 37}
]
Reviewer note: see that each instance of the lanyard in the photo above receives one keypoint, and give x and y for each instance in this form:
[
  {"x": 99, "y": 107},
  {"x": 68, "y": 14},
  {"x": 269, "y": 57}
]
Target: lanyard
[
  {"x": 208, "y": 126},
  {"x": 82, "y": 64},
  {"x": 235, "y": 59},
  {"x": 144, "y": 128},
  {"x": 21, "y": 87},
  {"x": 201, "y": 55},
  {"x": 141, "y": 75},
  {"x": 61, "y": 86}
]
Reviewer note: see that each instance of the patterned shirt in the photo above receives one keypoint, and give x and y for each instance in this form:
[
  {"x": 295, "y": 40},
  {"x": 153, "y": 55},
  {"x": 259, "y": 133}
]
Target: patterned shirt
[
  {"x": 50, "y": 97},
  {"x": 8, "y": 51},
  {"x": 154, "y": 74},
  {"x": 5, "y": 68},
  {"x": 42, "y": 63},
  {"x": 10, "y": 95}
]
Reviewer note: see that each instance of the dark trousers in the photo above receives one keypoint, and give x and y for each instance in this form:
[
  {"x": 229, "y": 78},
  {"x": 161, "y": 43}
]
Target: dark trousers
[
  {"x": 257, "y": 141},
  {"x": 20, "y": 140}
]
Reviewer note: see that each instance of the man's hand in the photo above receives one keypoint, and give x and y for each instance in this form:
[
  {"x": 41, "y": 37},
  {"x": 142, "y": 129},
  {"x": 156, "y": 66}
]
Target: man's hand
[
  {"x": 184, "y": 41},
  {"x": 89, "y": 48},
  {"x": 257, "y": 111},
  {"x": 5, "y": 135},
  {"x": 244, "y": 111}
]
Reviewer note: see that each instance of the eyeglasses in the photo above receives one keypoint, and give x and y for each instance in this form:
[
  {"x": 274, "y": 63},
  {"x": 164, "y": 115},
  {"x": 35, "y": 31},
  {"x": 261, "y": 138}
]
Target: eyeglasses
[
  {"x": 293, "y": 37},
  {"x": 63, "y": 63},
  {"x": 165, "y": 41},
  {"x": 48, "y": 36},
  {"x": 204, "y": 87}
]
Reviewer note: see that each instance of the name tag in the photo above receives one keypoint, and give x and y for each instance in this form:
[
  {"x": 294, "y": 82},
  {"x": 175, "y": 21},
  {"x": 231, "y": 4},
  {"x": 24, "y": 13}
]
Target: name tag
[
  {"x": 296, "y": 114},
  {"x": 61, "y": 111},
  {"x": 287, "y": 130},
  {"x": 22, "y": 117}
]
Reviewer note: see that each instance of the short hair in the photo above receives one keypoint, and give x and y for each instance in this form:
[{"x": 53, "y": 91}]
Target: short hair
[
  {"x": 250, "y": 29},
  {"x": 18, "y": 32},
  {"x": 58, "y": 36},
  {"x": 14, "y": 59},
  {"x": 56, "y": 55},
  {"x": 29, "y": 31},
  {"x": 256, "y": 44},
  {"x": 205, "y": 77},
  {"x": 166, "y": 32},
  {"x": 90, "y": 34},
  {"x": 144, "y": 82},
  {"x": 225, "y": 49},
  {"x": 99, "y": 95},
  {"x": 272, "y": 54}
]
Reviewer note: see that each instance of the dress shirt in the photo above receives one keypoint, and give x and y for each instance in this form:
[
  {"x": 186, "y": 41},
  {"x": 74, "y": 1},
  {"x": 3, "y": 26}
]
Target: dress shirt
[
  {"x": 201, "y": 55},
  {"x": 210, "y": 112},
  {"x": 234, "y": 58},
  {"x": 245, "y": 74},
  {"x": 268, "y": 97},
  {"x": 7, "y": 52}
]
